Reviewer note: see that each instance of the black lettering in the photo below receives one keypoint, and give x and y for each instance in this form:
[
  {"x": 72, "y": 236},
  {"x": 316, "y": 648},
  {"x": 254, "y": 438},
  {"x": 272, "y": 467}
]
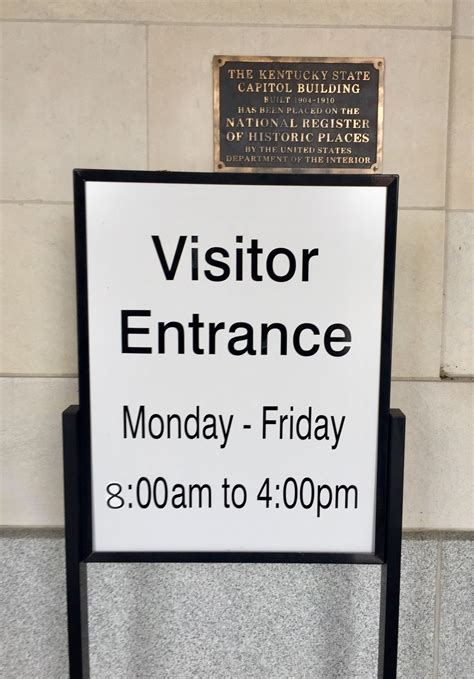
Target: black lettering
[
  {"x": 162, "y": 328},
  {"x": 126, "y": 331},
  {"x": 213, "y": 330},
  {"x": 254, "y": 251},
  {"x": 346, "y": 490},
  {"x": 238, "y": 260},
  {"x": 297, "y": 339},
  {"x": 140, "y": 422},
  {"x": 194, "y": 260},
  {"x": 281, "y": 278},
  {"x": 266, "y": 421},
  {"x": 223, "y": 266},
  {"x": 247, "y": 337},
  {"x": 196, "y": 488},
  {"x": 169, "y": 272},
  {"x": 266, "y": 327},
  {"x": 195, "y": 325},
  {"x": 329, "y": 339},
  {"x": 307, "y": 256}
]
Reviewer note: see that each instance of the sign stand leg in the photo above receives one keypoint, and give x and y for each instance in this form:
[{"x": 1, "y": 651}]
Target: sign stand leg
[
  {"x": 390, "y": 578},
  {"x": 76, "y": 569}
]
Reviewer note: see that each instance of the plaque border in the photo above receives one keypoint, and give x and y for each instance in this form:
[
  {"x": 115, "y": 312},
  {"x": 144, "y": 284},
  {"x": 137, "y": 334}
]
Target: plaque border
[{"x": 220, "y": 60}]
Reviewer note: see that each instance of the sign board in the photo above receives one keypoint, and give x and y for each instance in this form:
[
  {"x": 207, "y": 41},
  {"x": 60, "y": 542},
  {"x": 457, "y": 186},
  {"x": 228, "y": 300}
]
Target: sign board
[
  {"x": 234, "y": 341},
  {"x": 298, "y": 114}
]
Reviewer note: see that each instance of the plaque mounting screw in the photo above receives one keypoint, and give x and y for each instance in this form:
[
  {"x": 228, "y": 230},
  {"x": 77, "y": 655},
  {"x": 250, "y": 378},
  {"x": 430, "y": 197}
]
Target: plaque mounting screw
[{"x": 220, "y": 166}]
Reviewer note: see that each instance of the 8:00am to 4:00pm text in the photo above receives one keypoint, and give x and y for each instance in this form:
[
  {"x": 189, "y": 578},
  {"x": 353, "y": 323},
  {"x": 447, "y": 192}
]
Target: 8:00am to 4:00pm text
[{"x": 290, "y": 493}]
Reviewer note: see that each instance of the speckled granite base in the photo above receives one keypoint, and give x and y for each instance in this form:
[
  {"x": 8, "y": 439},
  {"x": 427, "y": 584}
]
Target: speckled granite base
[
  {"x": 456, "y": 658},
  {"x": 229, "y": 621}
]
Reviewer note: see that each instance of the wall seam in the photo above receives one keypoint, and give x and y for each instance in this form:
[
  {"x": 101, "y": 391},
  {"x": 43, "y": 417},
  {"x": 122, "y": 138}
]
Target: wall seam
[
  {"x": 437, "y": 612},
  {"x": 444, "y": 380},
  {"x": 147, "y": 96},
  {"x": 442, "y": 354},
  {"x": 35, "y": 201},
  {"x": 440, "y": 380},
  {"x": 40, "y": 201},
  {"x": 422, "y": 209},
  {"x": 411, "y": 534},
  {"x": 49, "y": 376},
  {"x": 212, "y": 24}
]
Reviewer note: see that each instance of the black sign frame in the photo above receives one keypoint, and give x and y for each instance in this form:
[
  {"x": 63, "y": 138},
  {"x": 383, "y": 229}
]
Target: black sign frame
[
  {"x": 76, "y": 436},
  {"x": 81, "y": 177}
]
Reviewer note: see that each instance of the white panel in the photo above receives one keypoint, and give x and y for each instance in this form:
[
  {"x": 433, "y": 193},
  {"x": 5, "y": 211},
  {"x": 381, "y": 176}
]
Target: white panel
[{"x": 347, "y": 225}]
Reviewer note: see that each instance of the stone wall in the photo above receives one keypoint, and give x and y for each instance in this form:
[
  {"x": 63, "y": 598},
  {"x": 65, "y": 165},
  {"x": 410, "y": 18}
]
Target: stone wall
[{"x": 128, "y": 84}]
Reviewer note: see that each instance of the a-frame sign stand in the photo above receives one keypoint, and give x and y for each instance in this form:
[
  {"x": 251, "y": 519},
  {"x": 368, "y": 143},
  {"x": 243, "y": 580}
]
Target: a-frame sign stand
[{"x": 77, "y": 556}]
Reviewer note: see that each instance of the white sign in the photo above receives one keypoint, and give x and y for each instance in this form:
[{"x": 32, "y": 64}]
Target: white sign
[{"x": 234, "y": 355}]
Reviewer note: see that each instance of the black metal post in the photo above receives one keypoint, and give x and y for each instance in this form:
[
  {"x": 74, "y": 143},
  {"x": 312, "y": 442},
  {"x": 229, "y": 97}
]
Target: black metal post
[
  {"x": 76, "y": 569},
  {"x": 390, "y": 580}
]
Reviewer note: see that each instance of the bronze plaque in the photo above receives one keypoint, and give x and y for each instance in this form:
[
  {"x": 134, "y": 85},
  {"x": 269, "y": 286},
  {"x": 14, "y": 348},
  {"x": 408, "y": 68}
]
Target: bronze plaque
[{"x": 298, "y": 114}]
